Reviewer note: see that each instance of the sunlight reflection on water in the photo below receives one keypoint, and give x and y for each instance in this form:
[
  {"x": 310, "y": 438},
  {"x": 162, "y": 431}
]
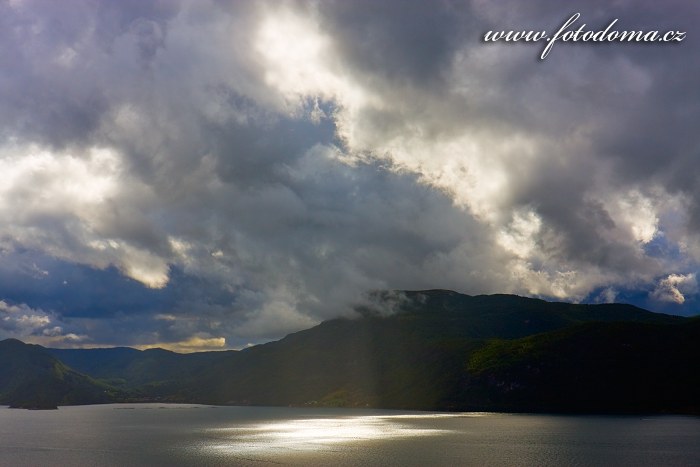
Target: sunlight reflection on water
[
  {"x": 255, "y": 436},
  {"x": 312, "y": 433}
]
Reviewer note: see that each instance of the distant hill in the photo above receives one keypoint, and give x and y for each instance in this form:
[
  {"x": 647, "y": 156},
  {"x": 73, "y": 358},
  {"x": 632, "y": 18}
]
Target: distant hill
[
  {"x": 437, "y": 350},
  {"x": 30, "y": 377},
  {"x": 144, "y": 375}
]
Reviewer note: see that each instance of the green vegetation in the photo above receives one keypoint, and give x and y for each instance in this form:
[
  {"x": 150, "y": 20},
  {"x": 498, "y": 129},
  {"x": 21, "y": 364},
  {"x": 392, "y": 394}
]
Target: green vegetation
[
  {"x": 604, "y": 367},
  {"x": 32, "y": 378},
  {"x": 440, "y": 351}
]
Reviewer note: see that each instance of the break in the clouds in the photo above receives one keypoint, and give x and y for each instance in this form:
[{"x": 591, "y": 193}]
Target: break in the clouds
[
  {"x": 205, "y": 174},
  {"x": 40, "y": 326}
]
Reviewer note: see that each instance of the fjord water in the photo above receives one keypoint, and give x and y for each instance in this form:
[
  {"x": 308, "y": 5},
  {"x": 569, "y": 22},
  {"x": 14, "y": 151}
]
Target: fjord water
[{"x": 159, "y": 434}]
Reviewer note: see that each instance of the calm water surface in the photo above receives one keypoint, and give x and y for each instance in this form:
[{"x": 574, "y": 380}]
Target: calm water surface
[{"x": 158, "y": 434}]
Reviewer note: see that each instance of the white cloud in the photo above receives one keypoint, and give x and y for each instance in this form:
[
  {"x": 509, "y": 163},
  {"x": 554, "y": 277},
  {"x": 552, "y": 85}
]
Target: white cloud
[
  {"x": 33, "y": 325},
  {"x": 66, "y": 203},
  {"x": 307, "y": 152},
  {"x": 300, "y": 63},
  {"x": 279, "y": 314},
  {"x": 608, "y": 295},
  {"x": 675, "y": 287}
]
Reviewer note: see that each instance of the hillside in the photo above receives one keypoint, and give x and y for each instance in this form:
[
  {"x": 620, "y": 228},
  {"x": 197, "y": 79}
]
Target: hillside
[
  {"x": 148, "y": 374},
  {"x": 438, "y": 350},
  {"x": 30, "y": 377},
  {"x": 593, "y": 367},
  {"x": 417, "y": 358}
]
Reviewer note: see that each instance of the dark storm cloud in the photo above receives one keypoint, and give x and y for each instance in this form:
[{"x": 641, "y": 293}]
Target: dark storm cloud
[
  {"x": 604, "y": 123},
  {"x": 204, "y": 170},
  {"x": 400, "y": 41},
  {"x": 52, "y": 92}
]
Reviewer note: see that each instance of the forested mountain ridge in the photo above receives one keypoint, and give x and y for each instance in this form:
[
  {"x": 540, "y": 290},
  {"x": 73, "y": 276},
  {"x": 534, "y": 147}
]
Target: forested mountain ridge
[{"x": 429, "y": 350}]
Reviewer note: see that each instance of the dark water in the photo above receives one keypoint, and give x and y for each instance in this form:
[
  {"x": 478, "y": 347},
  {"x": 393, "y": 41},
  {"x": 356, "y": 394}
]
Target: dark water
[{"x": 157, "y": 434}]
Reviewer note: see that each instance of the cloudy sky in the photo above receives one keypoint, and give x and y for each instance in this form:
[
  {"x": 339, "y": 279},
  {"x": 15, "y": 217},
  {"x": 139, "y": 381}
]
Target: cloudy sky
[{"x": 211, "y": 173}]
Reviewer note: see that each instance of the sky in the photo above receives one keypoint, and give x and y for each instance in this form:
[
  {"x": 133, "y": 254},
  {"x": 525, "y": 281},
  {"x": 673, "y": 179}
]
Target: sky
[{"x": 210, "y": 174}]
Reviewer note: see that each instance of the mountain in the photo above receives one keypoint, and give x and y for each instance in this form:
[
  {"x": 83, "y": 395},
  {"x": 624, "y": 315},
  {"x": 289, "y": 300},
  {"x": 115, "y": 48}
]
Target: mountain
[
  {"x": 418, "y": 357},
  {"x": 592, "y": 367},
  {"x": 148, "y": 374},
  {"x": 30, "y": 377},
  {"x": 430, "y": 350}
]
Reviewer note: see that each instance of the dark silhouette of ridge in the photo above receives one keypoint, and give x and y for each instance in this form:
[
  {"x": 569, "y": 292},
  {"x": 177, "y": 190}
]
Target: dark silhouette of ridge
[{"x": 427, "y": 350}]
